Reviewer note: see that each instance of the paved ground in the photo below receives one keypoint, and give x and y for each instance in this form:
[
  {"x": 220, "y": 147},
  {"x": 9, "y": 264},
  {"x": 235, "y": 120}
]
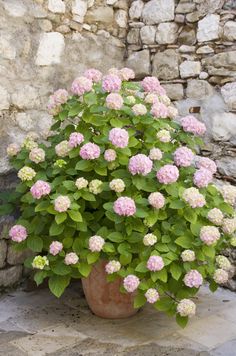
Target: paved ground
[{"x": 37, "y": 324}]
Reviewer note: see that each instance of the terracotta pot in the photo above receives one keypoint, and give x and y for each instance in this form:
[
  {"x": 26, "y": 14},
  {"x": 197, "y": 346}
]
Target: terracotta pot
[{"x": 104, "y": 298}]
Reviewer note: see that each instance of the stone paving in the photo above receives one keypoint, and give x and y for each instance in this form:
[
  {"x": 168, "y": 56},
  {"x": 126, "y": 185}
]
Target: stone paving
[{"x": 37, "y": 324}]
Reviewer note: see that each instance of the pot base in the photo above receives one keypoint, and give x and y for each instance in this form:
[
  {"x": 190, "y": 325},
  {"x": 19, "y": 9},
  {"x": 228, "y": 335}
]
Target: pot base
[{"x": 104, "y": 298}]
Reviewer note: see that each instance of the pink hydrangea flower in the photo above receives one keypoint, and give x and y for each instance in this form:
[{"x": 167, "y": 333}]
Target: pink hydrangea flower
[
  {"x": 202, "y": 177},
  {"x": 93, "y": 74},
  {"x": 71, "y": 258},
  {"x": 13, "y": 149},
  {"x": 140, "y": 164},
  {"x": 221, "y": 276},
  {"x": 119, "y": 137},
  {"x": 90, "y": 151},
  {"x": 55, "y": 248},
  {"x": 75, "y": 139},
  {"x": 155, "y": 154},
  {"x": 193, "y": 279},
  {"x": 114, "y": 101},
  {"x": 126, "y": 74},
  {"x": 56, "y": 100},
  {"x": 18, "y": 233},
  {"x": 151, "y": 98},
  {"x": 112, "y": 267},
  {"x": 139, "y": 109},
  {"x": 81, "y": 85},
  {"x": 207, "y": 163},
  {"x": 124, "y": 206},
  {"x": 159, "y": 110},
  {"x": 183, "y": 157},
  {"x": 131, "y": 283},
  {"x": 40, "y": 189},
  {"x": 110, "y": 155},
  {"x": 37, "y": 155},
  {"x": 186, "y": 308},
  {"x": 111, "y": 83},
  {"x": 152, "y": 295},
  {"x": 62, "y": 203},
  {"x": 168, "y": 174},
  {"x": 209, "y": 234},
  {"x": 191, "y": 124},
  {"x": 194, "y": 198},
  {"x": 150, "y": 84},
  {"x": 96, "y": 243},
  {"x": 155, "y": 263},
  {"x": 156, "y": 200},
  {"x": 215, "y": 216},
  {"x": 62, "y": 149},
  {"x": 172, "y": 112}
]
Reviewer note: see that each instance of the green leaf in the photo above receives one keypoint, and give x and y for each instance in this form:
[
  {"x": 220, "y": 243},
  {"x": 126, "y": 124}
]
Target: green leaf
[
  {"x": 85, "y": 269},
  {"x": 190, "y": 215},
  {"x": 35, "y": 243},
  {"x": 209, "y": 251},
  {"x": 92, "y": 257},
  {"x": 164, "y": 304},
  {"x": 58, "y": 284},
  {"x": 75, "y": 215},
  {"x": 56, "y": 229},
  {"x": 175, "y": 271},
  {"x": 141, "y": 213},
  {"x": 102, "y": 171},
  {"x": 88, "y": 196},
  {"x": 108, "y": 247},
  {"x": 177, "y": 204},
  {"x": 42, "y": 206},
  {"x": 115, "y": 237},
  {"x": 90, "y": 98},
  {"x": 67, "y": 242},
  {"x": 116, "y": 123},
  {"x": 141, "y": 267},
  {"x": 69, "y": 185},
  {"x": 182, "y": 321},
  {"x": 184, "y": 241},
  {"x": 161, "y": 275},
  {"x": 39, "y": 277},
  {"x": 83, "y": 165},
  {"x": 213, "y": 286},
  {"x": 195, "y": 228},
  {"x": 60, "y": 218},
  {"x": 125, "y": 258},
  {"x": 139, "y": 301},
  {"x": 61, "y": 269}
]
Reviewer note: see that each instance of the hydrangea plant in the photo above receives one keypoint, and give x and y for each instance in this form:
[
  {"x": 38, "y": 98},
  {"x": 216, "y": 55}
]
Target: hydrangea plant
[{"x": 118, "y": 179}]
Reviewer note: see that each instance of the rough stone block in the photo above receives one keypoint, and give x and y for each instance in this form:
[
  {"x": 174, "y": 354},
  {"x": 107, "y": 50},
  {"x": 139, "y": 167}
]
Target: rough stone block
[
  {"x": 50, "y": 49},
  {"x": 174, "y": 91},
  {"x": 189, "y": 69},
  {"x": 10, "y": 276},
  {"x": 15, "y": 8},
  {"x": 56, "y": 6},
  {"x": 198, "y": 89},
  {"x": 135, "y": 10},
  {"x": 147, "y": 34},
  {"x": 17, "y": 257},
  {"x": 166, "y": 65},
  {"x": 230, "y": 30},
  {"x": 3, "y": 253},
  {"x": 228, "y": 92},
  {"x": 4, "y": 98},
  {"x": 167, "y": 33},
  {"x": 157, "y": 11},
  {"x": 140, "y": 63},
  {"x": 208, "y": 28}
]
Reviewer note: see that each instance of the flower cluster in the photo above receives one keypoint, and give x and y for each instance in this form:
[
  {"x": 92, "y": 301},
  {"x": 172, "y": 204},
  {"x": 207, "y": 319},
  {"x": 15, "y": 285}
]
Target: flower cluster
[
  {"x": 26, "y": 173},
  {"x": 62, "y": 149},
  {"x": 139, "y": 109},
  {"x": 58, "y": 98},
  {"x": 55, "y": 248},
  {"x": 71, "y": 258},
  {"x": 90, "y": 151},
  {"x": 159, "y": 110},
  {"x": 110, "y": 155},
  {"x": 40, "y": 189},
  {"x": 209, "y": 234},
  {"x": 183, "y": 157},
  {"x": 75, "y": 139},
  {"x": 193, "y": 279},
  {"x": 229, "y": 194},
  {"x": 221, "y": 276},
  {"x": 188, "y": 256},
  {"x": 119, "y": 137},
  {"x": 152, "y": 295},
  {"x": 117, "y": 185},
  {"x": 13, "y": 149},
  {"x": 62, "y": 203},
  {"x": 168, "y": 174},
  {"x": 81, "y": 85},
  {"x": 37, "y": 155},
  {"x": 18, "y": 233},
  {"x": 149, "y": 239},
  {"x": 124, "y": 206},
  {"x": 192, "y": 125},
  {"x": 81, "y": 183},
  {"x": 202, "y": 177},
  {"x": 96, "y": 243},
  {"x": 194, "y": 198},
  {"x": 131, "y": 283},
  {"x": 155, "y": 263},
  {"x": 114, "y": 101},
  {"x": 207, "y": 163},
  {"x": 164, "y": 136},
  {"x": 186, "y": 308},
  {"x": 95, "y": 186},
  {"x": 215, "y": 216},
  {"x": 39, "y": 262},
  {"x": 223, "y": 262},
  {"x": 112, "y": 267},
  {"x": 111, "y": 83},
  {"x": 229, "y": 226},
  {"x": 155, "y": 154},
  {"x": 156, "y": 200},
  {"x": 93, "y": 74},
  {"x": 140, "y": 164}
]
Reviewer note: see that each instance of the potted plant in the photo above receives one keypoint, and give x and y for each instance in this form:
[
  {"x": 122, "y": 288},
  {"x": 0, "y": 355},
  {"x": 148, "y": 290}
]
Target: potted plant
[{"x": 118, "y": 196}]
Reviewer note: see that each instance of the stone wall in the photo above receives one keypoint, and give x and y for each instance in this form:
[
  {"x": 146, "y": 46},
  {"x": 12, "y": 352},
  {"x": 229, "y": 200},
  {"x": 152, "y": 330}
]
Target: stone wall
[{"x": 189, "y": 45}]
